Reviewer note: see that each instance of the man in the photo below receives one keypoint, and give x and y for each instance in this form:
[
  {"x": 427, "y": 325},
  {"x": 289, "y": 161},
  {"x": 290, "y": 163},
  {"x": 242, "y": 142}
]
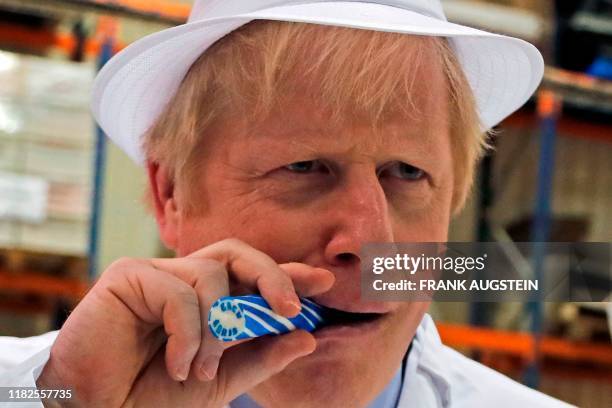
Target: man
[{"x": 274, "y": 150}]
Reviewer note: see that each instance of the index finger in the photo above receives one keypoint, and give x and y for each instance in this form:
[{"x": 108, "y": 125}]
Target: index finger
[{"x": 255, "y": 269}]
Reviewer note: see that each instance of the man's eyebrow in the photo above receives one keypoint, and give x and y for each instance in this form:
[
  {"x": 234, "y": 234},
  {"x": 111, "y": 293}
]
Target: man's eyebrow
[{"x": 420, "y": 152}]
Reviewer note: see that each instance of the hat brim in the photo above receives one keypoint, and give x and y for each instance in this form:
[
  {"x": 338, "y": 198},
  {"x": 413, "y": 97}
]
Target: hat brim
[{"x": 134, "y": 87}]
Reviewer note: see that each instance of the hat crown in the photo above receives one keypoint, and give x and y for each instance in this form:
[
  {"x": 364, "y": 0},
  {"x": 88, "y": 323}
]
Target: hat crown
[{"x": 205, "y": 9}]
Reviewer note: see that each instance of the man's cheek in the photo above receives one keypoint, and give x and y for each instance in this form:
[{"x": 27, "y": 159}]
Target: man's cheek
[
  {"x": 406, "y": 317},
  {"x": 430, "y": 225},
  {"x": 284, "y": 241},
  {"x": 426, "y": 224}
]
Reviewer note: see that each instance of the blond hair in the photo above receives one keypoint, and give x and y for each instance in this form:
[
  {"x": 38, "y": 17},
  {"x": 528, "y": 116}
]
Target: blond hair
[{"x": 362, "y": 72}]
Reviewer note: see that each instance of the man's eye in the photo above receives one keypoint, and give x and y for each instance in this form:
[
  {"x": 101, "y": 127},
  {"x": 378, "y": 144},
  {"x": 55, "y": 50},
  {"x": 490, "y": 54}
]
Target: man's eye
[
  {"x": 308, "y": 166},
  {"x": 403, "y": 171}
]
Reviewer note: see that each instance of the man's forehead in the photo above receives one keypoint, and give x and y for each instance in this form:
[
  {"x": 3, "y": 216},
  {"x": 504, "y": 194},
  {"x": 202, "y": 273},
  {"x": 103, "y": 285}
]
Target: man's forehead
[
  {"x": 301, "y": 128},
  {"x": 313, "y": 107},
  {"x": 306, "y": 121}
]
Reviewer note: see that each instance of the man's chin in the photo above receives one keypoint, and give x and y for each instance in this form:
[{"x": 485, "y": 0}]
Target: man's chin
[
  {"x": 351, "y": 364},
  {"x": 334, "y": 363},
  {"x": 320, "y": 379}
]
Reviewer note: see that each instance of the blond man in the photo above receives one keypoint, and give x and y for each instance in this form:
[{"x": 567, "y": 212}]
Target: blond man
[{"x": 279, "y": 137}]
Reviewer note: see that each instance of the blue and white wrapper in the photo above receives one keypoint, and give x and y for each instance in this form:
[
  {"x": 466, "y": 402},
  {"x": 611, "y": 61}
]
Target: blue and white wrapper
[{"x": 243, "y": 317}]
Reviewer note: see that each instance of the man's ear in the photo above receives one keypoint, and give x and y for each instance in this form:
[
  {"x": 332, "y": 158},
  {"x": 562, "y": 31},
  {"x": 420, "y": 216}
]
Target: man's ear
[{"x": 164, "y": 203}]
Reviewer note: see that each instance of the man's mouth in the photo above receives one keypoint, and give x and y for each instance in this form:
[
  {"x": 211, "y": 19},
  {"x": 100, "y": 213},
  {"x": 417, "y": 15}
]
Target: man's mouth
[
  {"x": 341, "y": 325},
  {"x": 336, "y": 317}
]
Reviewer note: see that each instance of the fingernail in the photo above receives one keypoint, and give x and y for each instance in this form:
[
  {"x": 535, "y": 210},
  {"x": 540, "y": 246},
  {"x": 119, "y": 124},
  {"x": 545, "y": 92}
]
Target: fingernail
[
  {"x": 293, "y": 308},
  {"x": 209, "y": 367},
  {"x": 182, "y": 372}
]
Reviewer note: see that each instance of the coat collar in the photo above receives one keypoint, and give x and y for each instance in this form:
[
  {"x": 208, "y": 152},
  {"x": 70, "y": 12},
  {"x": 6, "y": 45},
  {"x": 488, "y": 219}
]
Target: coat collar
[{"x": 425, "y": 384}]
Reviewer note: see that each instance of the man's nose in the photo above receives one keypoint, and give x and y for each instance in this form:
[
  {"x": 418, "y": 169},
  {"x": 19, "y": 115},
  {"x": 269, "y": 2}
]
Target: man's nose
[{"x": 359, "y": 213}]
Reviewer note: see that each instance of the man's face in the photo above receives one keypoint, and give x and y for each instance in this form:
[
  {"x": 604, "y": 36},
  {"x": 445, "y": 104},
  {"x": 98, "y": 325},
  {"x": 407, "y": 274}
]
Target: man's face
[{"x": 302, "y": 190}]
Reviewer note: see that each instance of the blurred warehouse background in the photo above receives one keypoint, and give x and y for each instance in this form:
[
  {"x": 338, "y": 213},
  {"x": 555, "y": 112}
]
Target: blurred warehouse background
[{"x": 70, "y": 203}]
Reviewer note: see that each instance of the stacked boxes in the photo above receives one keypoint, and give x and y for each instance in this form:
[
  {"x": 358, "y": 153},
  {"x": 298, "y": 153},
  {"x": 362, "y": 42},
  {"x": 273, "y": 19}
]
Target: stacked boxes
[{"x": 46, "y": 132}]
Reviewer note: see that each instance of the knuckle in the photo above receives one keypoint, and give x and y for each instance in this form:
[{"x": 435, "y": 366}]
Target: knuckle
[
  {"x": 283, "y": 279},
  {"x": 120, "y": 266},
  {"x": 212, "y": 276},
  {"x": 126, "y": 264},
  {"x": 211, "y": 265},
  {"x": 234, "y": 242},
  {"x": 285, "y": 275}
]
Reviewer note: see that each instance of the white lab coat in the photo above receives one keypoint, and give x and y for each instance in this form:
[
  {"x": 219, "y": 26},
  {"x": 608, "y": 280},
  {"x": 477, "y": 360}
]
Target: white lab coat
[{"x": 436, "y": 376}]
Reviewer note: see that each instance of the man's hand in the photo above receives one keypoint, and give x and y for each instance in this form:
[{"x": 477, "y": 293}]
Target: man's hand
[{"x": 140, "y": 337}]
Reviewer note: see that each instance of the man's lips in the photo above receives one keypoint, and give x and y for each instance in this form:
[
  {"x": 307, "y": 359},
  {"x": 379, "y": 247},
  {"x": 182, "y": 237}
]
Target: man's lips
[
  {"x": 352, "y": 306},
  {"x": 341, "y": 317},
  {"x": 341, "y": 325}
]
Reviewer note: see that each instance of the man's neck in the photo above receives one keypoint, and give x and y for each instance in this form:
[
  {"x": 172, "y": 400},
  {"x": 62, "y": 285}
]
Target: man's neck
[{"x": 386, "y": 399}]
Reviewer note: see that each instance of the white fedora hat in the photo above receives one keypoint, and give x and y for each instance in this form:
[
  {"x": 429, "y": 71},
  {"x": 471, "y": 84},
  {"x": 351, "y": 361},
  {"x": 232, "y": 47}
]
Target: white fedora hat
[{"x": 135, "y": 85}]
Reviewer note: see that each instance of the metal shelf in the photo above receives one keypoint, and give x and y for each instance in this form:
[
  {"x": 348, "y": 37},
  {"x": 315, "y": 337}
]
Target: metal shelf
[
  {"x": 160, "y": 11},
  {"x": 580, "y": 89}
]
